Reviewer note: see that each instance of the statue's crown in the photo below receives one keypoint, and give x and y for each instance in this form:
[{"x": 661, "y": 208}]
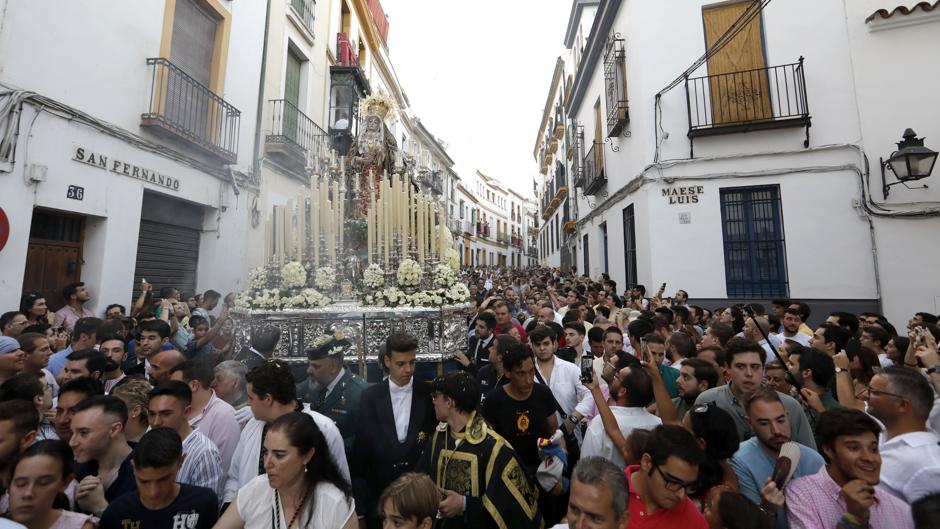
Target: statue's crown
[{"x": 380, "y": 105}]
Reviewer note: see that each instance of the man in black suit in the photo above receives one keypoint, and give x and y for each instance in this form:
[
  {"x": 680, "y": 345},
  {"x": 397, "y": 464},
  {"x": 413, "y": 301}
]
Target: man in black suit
[
  {"x": 263, "y": 342},
  {"x": 396, "y": 418},
  {"x": 478, "y": 345}
]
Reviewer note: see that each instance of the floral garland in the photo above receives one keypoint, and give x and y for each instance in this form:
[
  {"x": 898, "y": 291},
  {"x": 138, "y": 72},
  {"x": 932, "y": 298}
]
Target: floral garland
[
  {"x": 293, "y": 275},
  {"x": 394, "y": 297},
  {"x": 409, "y": 273},
  {"x": 325, "y": 278},
  {"x": 374, "y": 277}
]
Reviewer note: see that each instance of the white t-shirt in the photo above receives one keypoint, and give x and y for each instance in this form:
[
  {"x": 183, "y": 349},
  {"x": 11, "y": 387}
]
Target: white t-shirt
[{"x": 331, "y": 509}]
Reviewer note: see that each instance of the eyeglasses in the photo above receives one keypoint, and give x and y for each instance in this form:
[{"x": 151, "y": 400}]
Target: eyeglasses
[
  {"x": 867, "y": 392},
  {"x": 674, "y": 484}
]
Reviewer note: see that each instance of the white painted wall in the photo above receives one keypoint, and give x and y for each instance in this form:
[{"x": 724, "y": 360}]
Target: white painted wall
[
  {"x": 896, "y": 82},
  {"x": 96, "y": 62}
]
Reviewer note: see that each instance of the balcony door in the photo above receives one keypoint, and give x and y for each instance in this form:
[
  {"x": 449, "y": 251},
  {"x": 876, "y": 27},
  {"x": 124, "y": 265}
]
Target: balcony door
[
  {"x": 292, "y": 97},
  {"x": 192, "y": 50},
  {"x": 737, "y": 79}
]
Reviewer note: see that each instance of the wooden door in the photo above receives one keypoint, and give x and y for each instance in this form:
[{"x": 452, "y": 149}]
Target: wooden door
[
  {"x": 54, "y": 255},
  {"x": 737, "y": 81}
]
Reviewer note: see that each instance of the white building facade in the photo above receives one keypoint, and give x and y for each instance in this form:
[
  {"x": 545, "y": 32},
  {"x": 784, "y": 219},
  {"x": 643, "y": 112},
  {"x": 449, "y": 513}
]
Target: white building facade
[
  {"x": 751, "y": 172},
  {"x": 127, "y": 151}
]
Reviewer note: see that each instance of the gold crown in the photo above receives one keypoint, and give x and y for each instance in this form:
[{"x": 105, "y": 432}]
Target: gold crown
[{"x": 380, "y": 105}]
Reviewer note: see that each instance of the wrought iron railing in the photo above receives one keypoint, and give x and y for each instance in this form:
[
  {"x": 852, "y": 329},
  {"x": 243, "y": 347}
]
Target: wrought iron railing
[
  {"x": 615, "y": 85},
  {"x": 305, "y": 8},
  {"x": 593, "y": 173},
  {"x": 290, "y": 125},
  {"x": 183, "y": 106},
  {"x": 761, "y": 98}
]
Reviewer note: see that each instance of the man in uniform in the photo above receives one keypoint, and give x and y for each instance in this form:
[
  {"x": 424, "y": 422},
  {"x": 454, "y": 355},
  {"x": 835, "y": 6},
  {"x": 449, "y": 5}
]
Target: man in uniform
[
  {"x": 331, "y": 389},
  {"x": 483, "y": 483}
]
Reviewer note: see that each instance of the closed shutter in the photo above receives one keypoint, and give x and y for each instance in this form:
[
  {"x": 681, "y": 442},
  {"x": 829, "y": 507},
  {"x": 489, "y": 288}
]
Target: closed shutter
[
  {"x": 737, "y": 79},
  {"x": 193, "y": 40},
  {"x": 167, "y": 255},
  {"x": 292, "y": 96}
]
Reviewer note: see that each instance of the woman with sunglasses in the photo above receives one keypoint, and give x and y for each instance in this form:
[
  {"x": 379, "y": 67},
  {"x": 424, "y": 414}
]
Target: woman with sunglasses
[{"x": 34, "y": 307}]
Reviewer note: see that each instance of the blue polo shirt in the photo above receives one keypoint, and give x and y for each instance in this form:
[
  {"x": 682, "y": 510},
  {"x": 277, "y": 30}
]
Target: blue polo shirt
[{"x": 754, "y": 465}]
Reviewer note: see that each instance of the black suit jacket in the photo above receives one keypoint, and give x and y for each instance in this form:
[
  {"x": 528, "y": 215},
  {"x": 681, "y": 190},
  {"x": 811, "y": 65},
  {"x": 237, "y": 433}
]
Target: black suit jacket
[
  {"x": 377, "y": 457},
  {"x": 480, "y": 358}
]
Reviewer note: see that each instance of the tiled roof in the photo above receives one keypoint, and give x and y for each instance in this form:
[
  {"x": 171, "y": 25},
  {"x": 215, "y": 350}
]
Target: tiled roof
[{"x": 904, "y": 10}]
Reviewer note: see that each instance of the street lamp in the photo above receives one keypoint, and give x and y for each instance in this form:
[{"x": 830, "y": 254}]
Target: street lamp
[
  {"x": 912, "y": 161},
  {"x": 347, "y": 87}
]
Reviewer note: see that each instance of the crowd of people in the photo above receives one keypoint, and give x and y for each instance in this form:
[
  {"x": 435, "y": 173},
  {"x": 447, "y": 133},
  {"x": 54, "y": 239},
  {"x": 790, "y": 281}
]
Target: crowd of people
[{"x": 573, "y": 405}]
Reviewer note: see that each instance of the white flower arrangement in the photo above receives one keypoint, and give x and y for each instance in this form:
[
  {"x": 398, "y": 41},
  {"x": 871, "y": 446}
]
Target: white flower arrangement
[
  {"x": 444, "y": 276},
  {"x": 458, "y": 293},
  {"x": 325, "y": 278},
  {"x": 374, "y": 277},
  {"x": 258, "y": 279},
  {"x": 391, "y": 297},
  {"x": 293, "y": 275},
  {"x": 452, "y": 259},
  {"x": 409, "y": 273}
]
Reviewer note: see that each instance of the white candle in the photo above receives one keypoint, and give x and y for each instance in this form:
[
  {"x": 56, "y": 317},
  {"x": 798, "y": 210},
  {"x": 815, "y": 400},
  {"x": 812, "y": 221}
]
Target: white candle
[
  {"x": 289, "y": 229},
  {"x": 268, "y": 228},
  {"x": 433, "y": 230},
  {"x": 315, "y": 222},
  {"x": 301, "y": 227},
  {"x": 389, "y": 203},
  {"x": 421, "y": 231},
  {"x": 330, "y": 241},
  {"x": 370, "y": 222},
  {"x": 279, "y": 233},
  {"x": 342, "y": 218}
]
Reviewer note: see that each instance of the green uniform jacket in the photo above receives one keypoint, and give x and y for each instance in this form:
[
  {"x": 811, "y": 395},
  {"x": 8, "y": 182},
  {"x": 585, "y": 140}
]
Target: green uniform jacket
[{"x": 341, "y": 405}]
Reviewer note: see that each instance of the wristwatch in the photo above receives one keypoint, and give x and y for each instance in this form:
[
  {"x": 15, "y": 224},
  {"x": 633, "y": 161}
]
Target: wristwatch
[{"x": 839, "y": 370}]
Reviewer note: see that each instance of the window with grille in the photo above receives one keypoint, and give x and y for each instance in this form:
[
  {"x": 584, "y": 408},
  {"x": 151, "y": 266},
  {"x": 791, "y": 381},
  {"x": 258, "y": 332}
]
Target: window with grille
[{"x": 754, "y": 242}]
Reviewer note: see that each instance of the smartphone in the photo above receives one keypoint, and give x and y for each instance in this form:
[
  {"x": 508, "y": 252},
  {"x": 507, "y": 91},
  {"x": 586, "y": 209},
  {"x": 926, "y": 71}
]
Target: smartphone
[
  {"x": 587, "y": 368},
  {"x": 663, "y": 288},
  {"x": 851, "y": 348},
  {"x": 645, "y": 350}
]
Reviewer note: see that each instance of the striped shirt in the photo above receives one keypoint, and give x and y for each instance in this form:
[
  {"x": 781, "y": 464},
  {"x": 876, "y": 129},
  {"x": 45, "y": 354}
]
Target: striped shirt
[{"x": 202, "y": 465}]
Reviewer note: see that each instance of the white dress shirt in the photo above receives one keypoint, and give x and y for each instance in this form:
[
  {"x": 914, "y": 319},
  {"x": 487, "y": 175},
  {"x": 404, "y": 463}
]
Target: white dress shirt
[
  {"x": 244, "y": 466},
  {"x": 596, "y": 441},
  {"x": 202, "y": 465},
  {"x": 401, "y": 406},
  {"x": 565, "y": 383},
  {"x": 910, "y": 465}
]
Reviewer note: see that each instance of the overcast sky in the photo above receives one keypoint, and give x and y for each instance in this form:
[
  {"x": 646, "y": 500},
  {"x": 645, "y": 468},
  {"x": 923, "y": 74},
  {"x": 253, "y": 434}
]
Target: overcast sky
[{"x": 477, "y": 74}]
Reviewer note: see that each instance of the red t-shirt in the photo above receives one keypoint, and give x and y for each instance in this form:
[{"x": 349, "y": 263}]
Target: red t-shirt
[
  {"x": 501, "y": 330},
  {"x": 684, "y": 515}
]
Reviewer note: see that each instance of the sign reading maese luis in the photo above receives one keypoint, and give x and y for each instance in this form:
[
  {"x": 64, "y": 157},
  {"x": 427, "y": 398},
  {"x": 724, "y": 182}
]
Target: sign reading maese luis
[
  {"x": 116, "y": 166},
  {"x": 683, "y": 195}
]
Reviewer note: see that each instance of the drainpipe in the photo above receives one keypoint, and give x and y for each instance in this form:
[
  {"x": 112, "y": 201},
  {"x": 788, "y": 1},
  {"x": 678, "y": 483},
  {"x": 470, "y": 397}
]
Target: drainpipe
[{"x": 256, "y": 166}]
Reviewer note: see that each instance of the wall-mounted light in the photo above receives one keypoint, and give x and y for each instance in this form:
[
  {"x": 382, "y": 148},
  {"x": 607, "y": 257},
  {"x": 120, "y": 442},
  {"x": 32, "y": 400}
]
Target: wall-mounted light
[{"x": 912, "y": 161}]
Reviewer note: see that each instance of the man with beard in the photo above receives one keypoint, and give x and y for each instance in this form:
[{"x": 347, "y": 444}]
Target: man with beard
[
  {"x": 70, "y": 395},
  {"x": 755, "y": 459},
  {"x": 844, "y": 493},
  {"x": 695, "y": 377},
  {"x": 632, "y": 391},
  {"x": 114, "y": 355},
  {"x": 76, "y": 295},
  {"x": 792, "y": 321}
]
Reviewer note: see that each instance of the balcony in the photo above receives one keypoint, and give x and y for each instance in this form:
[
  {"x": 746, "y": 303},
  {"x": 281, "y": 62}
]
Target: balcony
[
  {"x": 184, "y": 109},
  {"x": 468, "y": 227},
  {"x": 304, "y": 9},
  {"x": 381, "y": 21},
  {"x": 294, "y": 137},
  {"x": 346, "y": 53},
  {"x": 593, "y": 174},
  {"x": 764, "y": 98},
  {"x": 559, "y": 131},
  {"x": 615, "y": 84}
]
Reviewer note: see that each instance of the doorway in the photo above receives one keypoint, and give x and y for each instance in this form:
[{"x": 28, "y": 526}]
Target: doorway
[{"x": 54, "y": 257}]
